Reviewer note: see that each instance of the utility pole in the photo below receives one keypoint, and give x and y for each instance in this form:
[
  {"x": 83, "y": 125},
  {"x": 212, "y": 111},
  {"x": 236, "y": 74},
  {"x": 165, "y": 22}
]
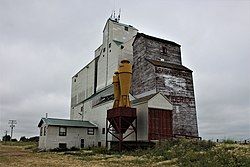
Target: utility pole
[
  {"x": 6, "y": 133},
  {"x": 12, "y": 125}
]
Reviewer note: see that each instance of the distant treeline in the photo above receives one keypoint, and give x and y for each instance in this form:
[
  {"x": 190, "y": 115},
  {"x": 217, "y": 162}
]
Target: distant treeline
[{"x": 23, "y": 139}]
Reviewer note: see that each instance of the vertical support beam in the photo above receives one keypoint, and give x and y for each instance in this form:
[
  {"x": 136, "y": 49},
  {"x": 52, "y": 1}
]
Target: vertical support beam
[
  {"x": 107, "y": 133},
  {"x": 120, "y": 134},
  {"x": 136, "y": 133},
  {"x": 122, "y": 120}
]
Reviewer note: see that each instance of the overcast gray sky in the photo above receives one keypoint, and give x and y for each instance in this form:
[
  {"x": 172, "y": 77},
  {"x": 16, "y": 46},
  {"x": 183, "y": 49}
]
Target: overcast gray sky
[{"x": 44, "y": 43}]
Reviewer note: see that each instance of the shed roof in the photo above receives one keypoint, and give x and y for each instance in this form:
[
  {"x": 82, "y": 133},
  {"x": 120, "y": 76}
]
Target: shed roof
[
  {"x": 148, "y": 97},
  {"x": 143, "y": 99},
  {"x": 66, "y": 122},
  {"x": 168, "y": 65},
  {"x": 155, "y": 39}
]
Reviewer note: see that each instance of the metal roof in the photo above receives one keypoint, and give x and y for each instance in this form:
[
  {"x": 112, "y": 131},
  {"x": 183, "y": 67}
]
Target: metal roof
[
  {"x": 66, "y": 122},
  {"x": 155, "y": 39},
  {"x": 168, "y": 65},
  {"x": 143, "y": 99},
  {"x": 148, "y": 97}
]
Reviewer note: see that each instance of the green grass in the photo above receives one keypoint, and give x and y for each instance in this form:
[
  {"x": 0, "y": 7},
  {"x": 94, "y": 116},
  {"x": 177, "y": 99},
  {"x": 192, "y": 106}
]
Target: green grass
[
  {"x": 198, "y": 153},
  {"x": 181, "y": 152},
  {"x": 18, "y": 143}
]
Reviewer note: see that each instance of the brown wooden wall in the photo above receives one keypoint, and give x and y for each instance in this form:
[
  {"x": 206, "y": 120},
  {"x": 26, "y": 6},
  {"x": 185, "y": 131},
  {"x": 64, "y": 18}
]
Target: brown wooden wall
[{"x": 159, "y": 124}]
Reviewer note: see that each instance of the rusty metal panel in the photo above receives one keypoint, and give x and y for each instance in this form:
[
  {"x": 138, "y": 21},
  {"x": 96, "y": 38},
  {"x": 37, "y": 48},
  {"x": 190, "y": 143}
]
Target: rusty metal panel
[
  {"x": 121, "y": 118},
  {"x": 159, "y": 124}
]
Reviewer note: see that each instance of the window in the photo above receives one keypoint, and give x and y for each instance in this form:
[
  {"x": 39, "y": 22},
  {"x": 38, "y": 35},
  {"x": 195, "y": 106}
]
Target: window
[
  {"x": 103, "y": 130},
  {"x": 164, "y": 50},
  {"x": 44, "y": 131},
  {"x": 126, "y": 28},
  {"x": 41, "y": 131},
  {"x": 82, "y": 108},
  {"x": 62, "y": 131},
  {"x": 109, "y": 45},
  {"x": 62, "y": 145},
  {"x": 90, "y": 131},
  {"x": 104, "y": 49},
  {"x": 74, "y": 80},
  {"x": 99, "y": 144}
]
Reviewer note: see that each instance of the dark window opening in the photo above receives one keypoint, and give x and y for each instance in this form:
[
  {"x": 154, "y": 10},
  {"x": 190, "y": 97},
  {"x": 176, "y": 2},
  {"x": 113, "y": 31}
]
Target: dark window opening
[
  {"x": 164, "y": 50},
  {"x": 122, "y": 46},
  {"x": 62, "y": 131},
  {"x": 82, "y": 143},
  {"x": 74, "y": 80},
  {"x": 126, "y": 28},
  {"x": 103, "y": 130},
  {"x": 41, "y": 131},
  {"x": 62, "y": 145},
  {"x": 82, "y": 108},
  {"x": 44, "y": 131},
  {"x": 99, "y": 144},
  {"x": 104, "y": 49},
  {"x": 102, "y": 55},
  {"x": 109, "y": 45},
  {"x": 90, "y": 131},
  {"x": 109, "y": 50}
]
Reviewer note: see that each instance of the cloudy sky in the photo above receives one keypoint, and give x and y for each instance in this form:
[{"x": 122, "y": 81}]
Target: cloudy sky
[{"x": 44, "y": 43}]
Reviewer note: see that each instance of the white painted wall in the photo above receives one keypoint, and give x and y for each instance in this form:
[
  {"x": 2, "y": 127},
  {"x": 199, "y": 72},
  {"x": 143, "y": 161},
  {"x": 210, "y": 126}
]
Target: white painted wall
[
  {"x": 72, "y": 139},
  {"x": 97, "y": 115},
  {"x": 115, "y": 34},
  {"x": 82, "y": 86},
  {"x": 160, "y": 102},
  {"x": 142, "y": 123},
  {"x": 42, "y": 138},
  {"x": 127, "y": 51},
  {"x": 75, "y": 112}
]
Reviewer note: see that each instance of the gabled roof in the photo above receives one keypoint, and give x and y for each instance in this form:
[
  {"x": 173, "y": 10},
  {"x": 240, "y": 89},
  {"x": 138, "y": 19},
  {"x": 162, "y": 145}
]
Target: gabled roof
[
  {"x": 147, "y": 98},
  {"x": 66, "y": 122},
  {"x": 155, "y": 39},
  {"x": 143, "y": 99},
  {"x": 154, "y": 103},
  {"x": 168, "y": 65}
]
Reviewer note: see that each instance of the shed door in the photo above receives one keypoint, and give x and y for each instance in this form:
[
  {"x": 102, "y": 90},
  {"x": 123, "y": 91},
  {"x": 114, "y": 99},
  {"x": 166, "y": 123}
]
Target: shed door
[
  {"x": 82, "y": 143},
  {"x": 159, "y": 123}
]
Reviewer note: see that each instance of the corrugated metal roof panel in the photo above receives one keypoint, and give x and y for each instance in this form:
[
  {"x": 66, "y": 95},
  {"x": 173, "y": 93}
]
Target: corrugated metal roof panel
[
  {"x": 143, "y": 99},
  {"x": 66, "y": 122},
  {"x": 168, "y": 65},
  {"x": 155, "y": 38}
]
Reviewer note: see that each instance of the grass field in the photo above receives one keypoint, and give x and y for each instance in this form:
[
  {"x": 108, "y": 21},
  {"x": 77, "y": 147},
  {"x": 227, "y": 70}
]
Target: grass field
[{"x": 170, "y": 153}]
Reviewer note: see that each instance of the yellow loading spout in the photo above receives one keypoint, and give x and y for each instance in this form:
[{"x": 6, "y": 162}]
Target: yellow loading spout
[
  {"x": 125, "y": 76},
  {"x": 116, "y": 89}
]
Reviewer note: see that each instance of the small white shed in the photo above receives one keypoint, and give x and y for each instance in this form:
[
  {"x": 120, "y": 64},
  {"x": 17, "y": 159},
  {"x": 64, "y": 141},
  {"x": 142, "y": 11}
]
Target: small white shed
[
  {"x": 65, "y": 133},
  {"x": 154, "y": 117}
]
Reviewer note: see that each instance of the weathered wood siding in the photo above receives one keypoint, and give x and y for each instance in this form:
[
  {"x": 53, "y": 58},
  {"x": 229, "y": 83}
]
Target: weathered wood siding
[
  {"x": 178, "y": 87},
  {"x": 163, "y": 51},
  {"x": 142, "y": 81},
  {"x": 176, "y": 84}
]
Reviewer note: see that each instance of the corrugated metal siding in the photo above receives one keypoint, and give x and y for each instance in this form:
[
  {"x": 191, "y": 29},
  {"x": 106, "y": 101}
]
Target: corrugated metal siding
[{"x": 159, "y": 124}]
